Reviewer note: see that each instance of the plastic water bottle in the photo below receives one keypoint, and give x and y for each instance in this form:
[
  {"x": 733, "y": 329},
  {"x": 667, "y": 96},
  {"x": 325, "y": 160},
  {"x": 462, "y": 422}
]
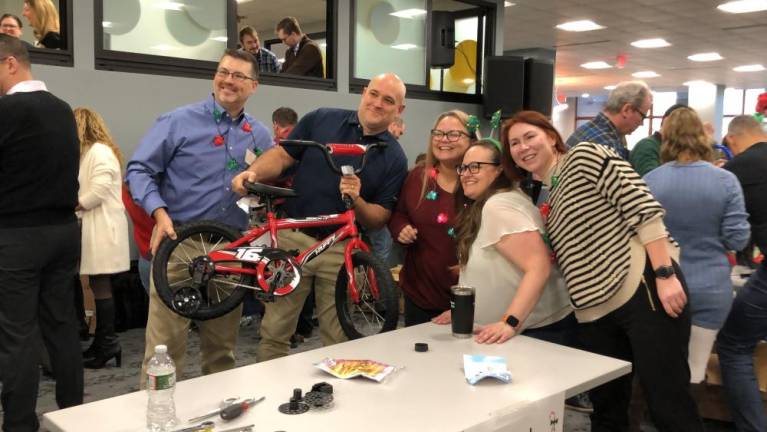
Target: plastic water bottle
[{"x": 161, "y": 383}]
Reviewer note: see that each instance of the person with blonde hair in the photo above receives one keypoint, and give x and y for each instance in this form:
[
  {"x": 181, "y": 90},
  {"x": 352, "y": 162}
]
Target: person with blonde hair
[
  {"x": 423, "y": 221},
  {"x": 706, "y": 215},
  {"x": 44, "y": 19},
  {"x": 104, "y": 229}
]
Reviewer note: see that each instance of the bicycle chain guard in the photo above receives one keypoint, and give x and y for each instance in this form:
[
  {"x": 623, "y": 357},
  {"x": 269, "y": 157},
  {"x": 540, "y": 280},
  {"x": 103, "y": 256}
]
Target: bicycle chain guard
[{"x": 277, "y": 271}]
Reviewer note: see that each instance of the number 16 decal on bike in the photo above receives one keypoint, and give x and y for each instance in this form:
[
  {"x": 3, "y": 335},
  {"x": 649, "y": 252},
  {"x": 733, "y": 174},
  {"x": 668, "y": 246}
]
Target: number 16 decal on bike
[{"x": 206, "y": 272}]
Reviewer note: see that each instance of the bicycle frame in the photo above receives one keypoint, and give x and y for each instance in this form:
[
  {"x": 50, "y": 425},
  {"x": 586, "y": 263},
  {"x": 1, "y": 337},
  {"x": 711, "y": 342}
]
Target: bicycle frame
[{"x": 273, "y": 225}]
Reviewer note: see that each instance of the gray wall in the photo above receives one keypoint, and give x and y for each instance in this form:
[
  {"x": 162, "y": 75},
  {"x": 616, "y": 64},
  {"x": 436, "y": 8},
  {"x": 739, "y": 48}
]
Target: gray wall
[{"x": 130, "y": 102}]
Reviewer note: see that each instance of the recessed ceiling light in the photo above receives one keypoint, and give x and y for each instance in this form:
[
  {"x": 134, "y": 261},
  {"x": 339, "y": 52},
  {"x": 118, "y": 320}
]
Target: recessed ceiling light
[
  {"x": 220, "y": 38},
  {"x": 696, "y": 82},
  {"x": 645, "y": 74},
  {"x": 651, "y": 43},
  {"x": 596, "y": 65},
  {"x": 405, "y": 46},
  {"x": 580, "y": 26},
  {"x": 585, "y": 95},
  {"x": 610, "y": 87},
  {"x": 408, "y": 13},
  {"x": 169, "y": 5},
  {"x": 508, "y": 3},
  {"x": 705, "y": 57},
  {"x": 749, "y": 68},
  {"x": 743, "y": 6}
]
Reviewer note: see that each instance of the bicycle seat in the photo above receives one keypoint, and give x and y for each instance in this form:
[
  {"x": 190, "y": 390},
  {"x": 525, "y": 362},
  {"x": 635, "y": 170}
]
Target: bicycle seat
[{"x": 269, "y": 191}]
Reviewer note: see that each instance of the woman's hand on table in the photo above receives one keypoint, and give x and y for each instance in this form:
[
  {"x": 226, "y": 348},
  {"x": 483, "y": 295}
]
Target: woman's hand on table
[
  {"x": 498, "y": 332},
  {"x": 443, "y": 318}
]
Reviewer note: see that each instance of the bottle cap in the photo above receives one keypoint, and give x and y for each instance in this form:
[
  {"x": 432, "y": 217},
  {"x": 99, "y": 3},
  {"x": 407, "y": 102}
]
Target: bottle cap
[
  {"x": 160, "y": 349},
  {"x": 421, "y": 347}
]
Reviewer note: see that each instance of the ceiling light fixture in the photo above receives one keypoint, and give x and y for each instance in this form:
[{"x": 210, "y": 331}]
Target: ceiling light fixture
[
  {"x": 107, "y": 24},
  {"x": 651, "y": 43},
  {"x": 749, "y": 68},
  {"x": 408, "y": 13},
  {"x": 580, "y": 26},
  {"x": 645, "y": 74},
  {"x": 405, "y": 46},
  {"x": 705, "y": 57},
  {"x": 508, "y": 3},
  {"x": 696, "y": 82},
  {"x": 610, "y": 87},
  {"x": 585, "y": 95},
  {"x": 596, "y": 65},
  {"x": 743, "y": 6}
]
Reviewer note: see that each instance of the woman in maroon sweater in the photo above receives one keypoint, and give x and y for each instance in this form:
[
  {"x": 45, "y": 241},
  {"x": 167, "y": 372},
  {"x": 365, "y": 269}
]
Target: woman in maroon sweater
[{"x": 423, "y": 222}]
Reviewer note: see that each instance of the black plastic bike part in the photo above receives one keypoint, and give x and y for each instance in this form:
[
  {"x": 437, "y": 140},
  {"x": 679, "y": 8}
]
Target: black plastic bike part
[
  {"x": 202, "y": 270},
  {"x": 318, "y": 399},
  {"x": 421, "y": 346},
  {"x": 187, "y": 300},
  {"x": 297, "y": 395},
  {"x": 372, "y": 314},
  {"x": 293, "y": 407},
  {"x": 323, "y": 387},
  {"x": 328, "y": 158}
]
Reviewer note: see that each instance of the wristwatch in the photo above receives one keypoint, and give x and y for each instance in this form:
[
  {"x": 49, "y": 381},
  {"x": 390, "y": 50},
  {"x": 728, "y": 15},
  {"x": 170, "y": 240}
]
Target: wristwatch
[
  {"x": 664, "y": 272},
  {"x": 511, "y": 320}
]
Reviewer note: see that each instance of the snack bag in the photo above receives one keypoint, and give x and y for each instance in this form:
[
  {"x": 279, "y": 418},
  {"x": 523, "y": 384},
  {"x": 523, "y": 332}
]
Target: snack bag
[
  {"x": 476, "y": 367},
  {"x": 341, "y": 368}
]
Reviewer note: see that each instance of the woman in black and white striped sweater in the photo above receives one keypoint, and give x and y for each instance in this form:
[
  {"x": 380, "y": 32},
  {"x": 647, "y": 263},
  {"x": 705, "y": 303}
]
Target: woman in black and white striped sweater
[{"x": 616, "y": 256}]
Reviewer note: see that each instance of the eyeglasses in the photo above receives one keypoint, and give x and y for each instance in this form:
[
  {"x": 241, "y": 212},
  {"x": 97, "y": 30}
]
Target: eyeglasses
[
  {"x": 10, "y": 26},
  {"x": 641, "y": 114},
  {"x": 452, "y": 135},
  {"x": 473, "y": 167},
  {"x": 237, "y": 76}
]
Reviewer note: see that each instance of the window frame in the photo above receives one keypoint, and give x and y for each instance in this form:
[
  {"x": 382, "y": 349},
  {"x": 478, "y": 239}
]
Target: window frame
[
  {"x": 414, "y": 91},
  {"x": 122, "y": 61},
  {"x": 58, "y": 57}
]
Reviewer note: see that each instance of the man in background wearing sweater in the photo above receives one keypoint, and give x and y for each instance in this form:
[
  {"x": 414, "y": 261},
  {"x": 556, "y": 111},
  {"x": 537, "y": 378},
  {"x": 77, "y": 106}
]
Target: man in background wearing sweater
[{"x": 39, "y": 240}]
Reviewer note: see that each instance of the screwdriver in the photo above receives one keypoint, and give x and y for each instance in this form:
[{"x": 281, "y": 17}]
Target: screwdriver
[{"x": 235, "y": 410}]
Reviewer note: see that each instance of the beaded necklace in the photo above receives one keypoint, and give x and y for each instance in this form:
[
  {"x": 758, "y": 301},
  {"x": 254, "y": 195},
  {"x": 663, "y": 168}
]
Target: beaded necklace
[
  {"x": 221, "y": 136},
  {"x": 545, "y": 209},
  {"x": 432, "y": 194}
]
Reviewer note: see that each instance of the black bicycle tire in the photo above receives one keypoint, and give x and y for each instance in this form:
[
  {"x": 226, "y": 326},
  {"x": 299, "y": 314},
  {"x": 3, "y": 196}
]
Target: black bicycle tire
[
  {"x": 386, "y": 287},
  {"x": 160, "y": 268}
]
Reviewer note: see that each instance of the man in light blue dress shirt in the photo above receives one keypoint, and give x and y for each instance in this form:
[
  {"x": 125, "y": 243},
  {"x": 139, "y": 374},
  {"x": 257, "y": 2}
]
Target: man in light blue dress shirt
[{"x": 181, "y": 172}]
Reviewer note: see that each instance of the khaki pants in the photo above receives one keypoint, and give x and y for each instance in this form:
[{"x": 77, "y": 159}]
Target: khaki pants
[
  {"x": 280, "y": 318},
  {"x": 217, "y": 336}
]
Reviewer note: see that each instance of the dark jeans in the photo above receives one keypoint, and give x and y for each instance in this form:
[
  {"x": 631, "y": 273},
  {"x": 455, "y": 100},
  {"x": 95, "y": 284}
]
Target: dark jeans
[
  {"x": 37, "y": 271},
  {"x": 414, "y": 315},
  {"x": 563, "y": 332},
  {"x": 641, "y": 332},
  {"x": 745, "y": 326}
]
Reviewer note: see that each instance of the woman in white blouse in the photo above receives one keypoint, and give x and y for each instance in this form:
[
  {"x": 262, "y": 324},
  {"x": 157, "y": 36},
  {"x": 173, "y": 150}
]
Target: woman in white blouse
[
  {"x": 503, "y": 254},
  {"x": 104, "y": 229}
]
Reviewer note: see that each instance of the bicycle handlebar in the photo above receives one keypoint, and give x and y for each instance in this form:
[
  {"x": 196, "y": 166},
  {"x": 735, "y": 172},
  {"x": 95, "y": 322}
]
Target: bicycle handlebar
[{"x": 338, "y": 149}]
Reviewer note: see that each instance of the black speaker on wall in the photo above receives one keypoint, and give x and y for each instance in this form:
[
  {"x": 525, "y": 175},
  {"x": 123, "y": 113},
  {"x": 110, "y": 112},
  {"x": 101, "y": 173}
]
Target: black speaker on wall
[
  {"x": 504, "y": 85},
  {"x": 539, "y": 86},
  {"x": 442, "y": 39}
]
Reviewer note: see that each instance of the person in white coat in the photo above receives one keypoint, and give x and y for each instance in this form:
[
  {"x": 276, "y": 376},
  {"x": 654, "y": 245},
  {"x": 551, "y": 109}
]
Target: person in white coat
[{"x": 105, "y": 249}]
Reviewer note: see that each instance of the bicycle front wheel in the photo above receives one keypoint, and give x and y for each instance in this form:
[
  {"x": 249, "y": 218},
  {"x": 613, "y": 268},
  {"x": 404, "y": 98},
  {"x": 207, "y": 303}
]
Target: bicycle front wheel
[
  {"x": 377, "y": 310},
  {"x": 172, "y": 272}
]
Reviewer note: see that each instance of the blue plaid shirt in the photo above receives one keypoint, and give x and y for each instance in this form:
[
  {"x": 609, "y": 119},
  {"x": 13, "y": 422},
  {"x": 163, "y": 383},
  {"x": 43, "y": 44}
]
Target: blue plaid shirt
[
  {"x": 600, "y": 131},
  {"x": 267, "y": 61}
]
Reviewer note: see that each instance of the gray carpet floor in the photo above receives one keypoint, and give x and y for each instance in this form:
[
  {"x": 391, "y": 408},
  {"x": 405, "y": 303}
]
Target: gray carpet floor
[{"x": 113, "y": 381}]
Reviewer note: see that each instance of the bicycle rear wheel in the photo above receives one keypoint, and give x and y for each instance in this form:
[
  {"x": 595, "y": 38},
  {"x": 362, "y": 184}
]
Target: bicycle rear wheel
[
  {"x": 172, "y": 271},
  {"x": 374, "y": 312}
]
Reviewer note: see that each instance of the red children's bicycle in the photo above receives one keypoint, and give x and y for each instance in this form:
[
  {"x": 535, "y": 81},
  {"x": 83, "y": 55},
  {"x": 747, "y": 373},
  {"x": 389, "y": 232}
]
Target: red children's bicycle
[{"x": 208, "y": 269}]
